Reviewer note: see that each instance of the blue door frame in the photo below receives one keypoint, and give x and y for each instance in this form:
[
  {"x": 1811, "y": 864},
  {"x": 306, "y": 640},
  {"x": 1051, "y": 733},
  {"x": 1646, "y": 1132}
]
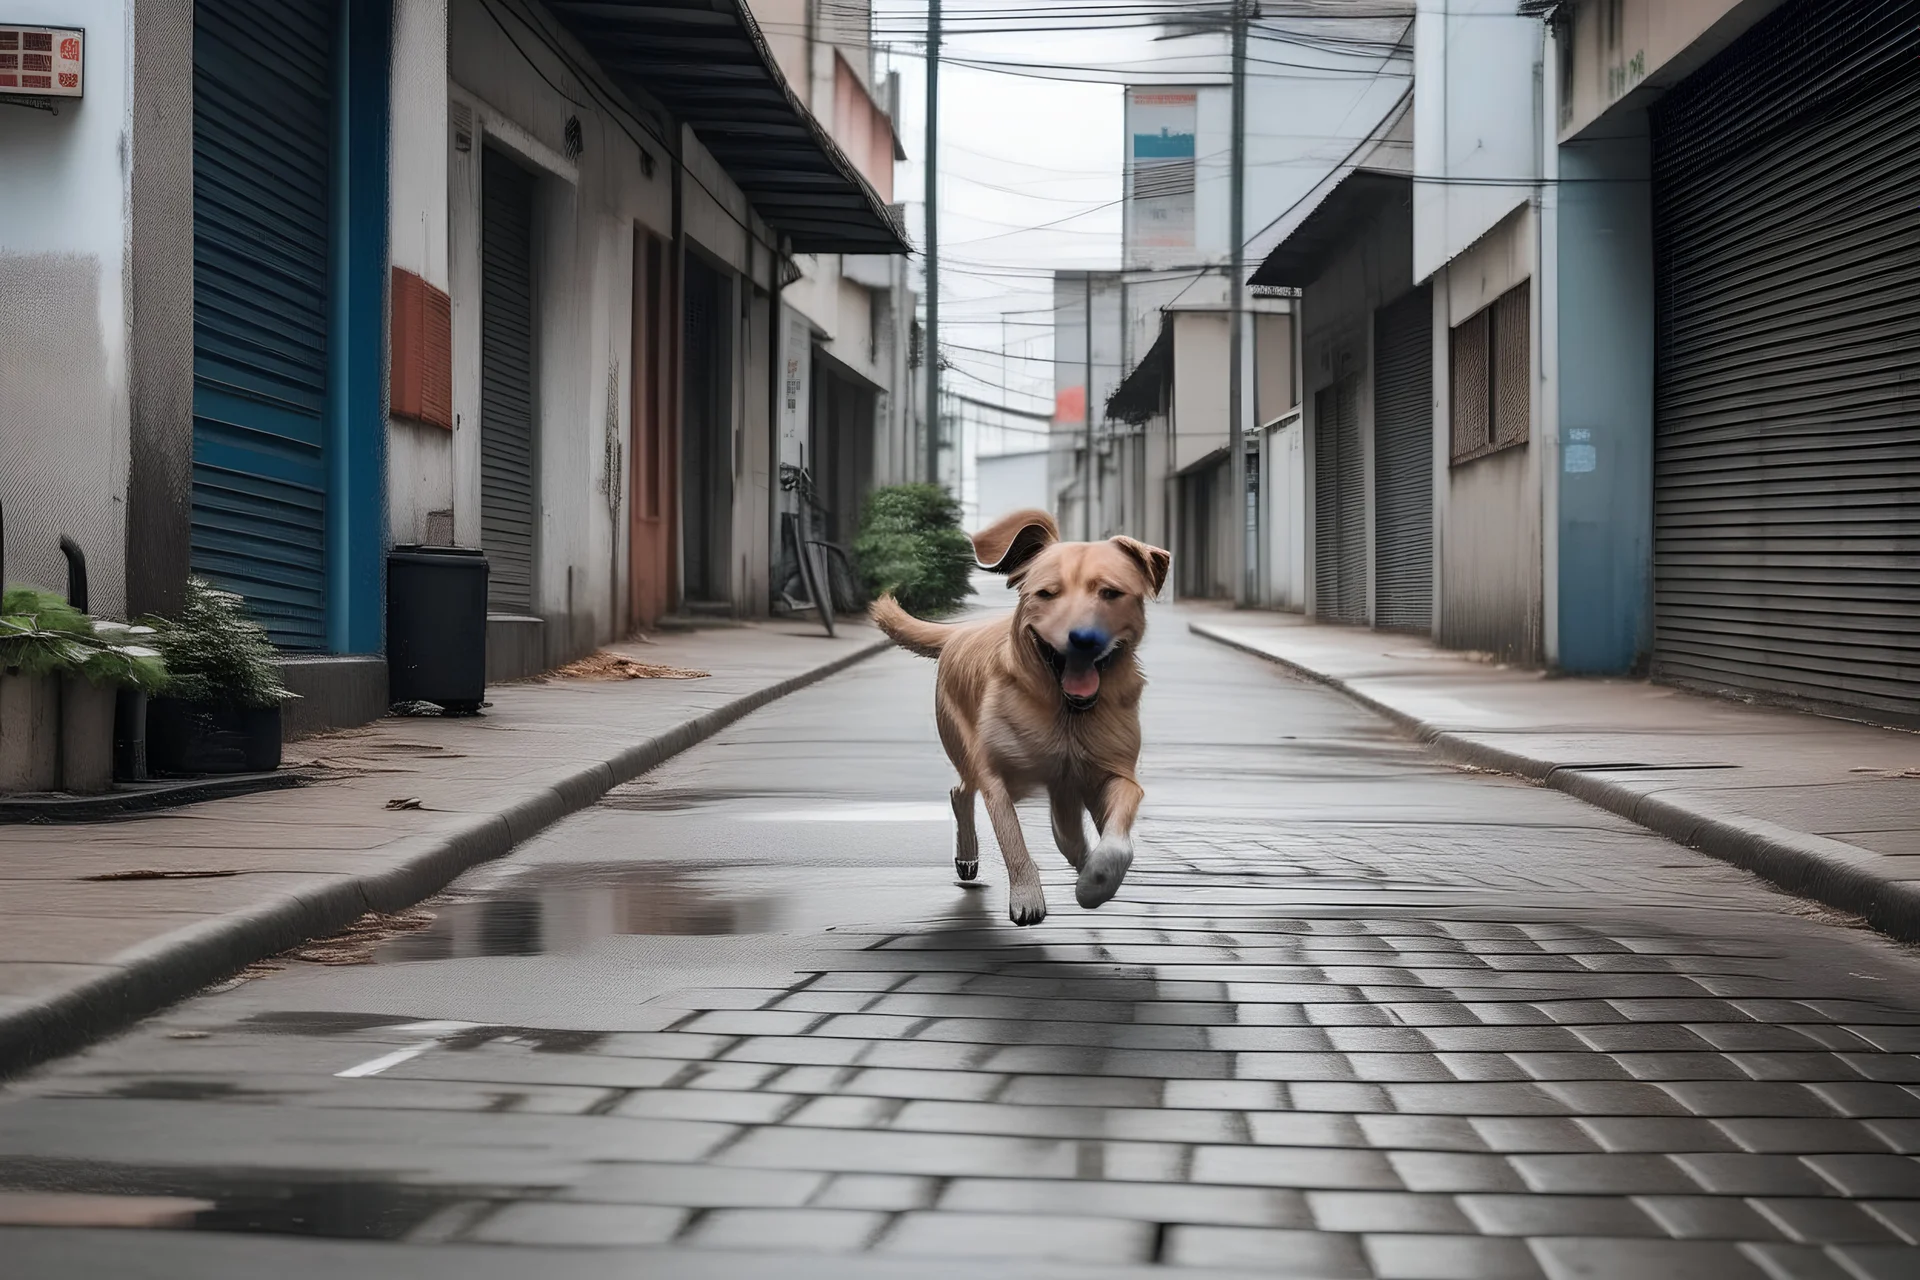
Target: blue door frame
[{"x": 357, "y": 411}]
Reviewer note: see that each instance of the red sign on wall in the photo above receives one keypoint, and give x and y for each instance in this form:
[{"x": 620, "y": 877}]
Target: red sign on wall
[{"x": 44, "y": 62}]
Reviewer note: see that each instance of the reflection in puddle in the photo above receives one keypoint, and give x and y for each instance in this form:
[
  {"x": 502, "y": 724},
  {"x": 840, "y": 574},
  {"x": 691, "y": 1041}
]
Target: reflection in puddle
[
  {"x": 62, "y": 1194},
  {"x": 564, "y": 909}
]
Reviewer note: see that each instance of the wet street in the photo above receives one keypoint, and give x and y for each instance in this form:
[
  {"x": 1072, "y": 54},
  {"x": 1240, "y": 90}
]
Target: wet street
[{"x": 1355, "y": 1014}]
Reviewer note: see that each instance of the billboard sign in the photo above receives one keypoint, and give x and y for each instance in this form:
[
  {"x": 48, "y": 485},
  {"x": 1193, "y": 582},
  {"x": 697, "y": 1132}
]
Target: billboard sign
[{"x": 1160, "y": 174}]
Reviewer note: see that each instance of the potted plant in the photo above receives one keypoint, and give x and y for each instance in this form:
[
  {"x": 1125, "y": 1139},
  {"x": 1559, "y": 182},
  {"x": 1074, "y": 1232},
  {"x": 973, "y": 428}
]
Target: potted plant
[
  {"x": 220, "y": 709},
  {"x": 60, "y": 675}
]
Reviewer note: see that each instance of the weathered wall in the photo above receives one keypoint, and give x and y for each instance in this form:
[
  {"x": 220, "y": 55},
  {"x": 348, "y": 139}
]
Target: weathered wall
[
  {"x": 1488, "y": 510},
  {"x": 65, "y": 275},
  {"x": 160, "y": 342},
  {"x": 1653, "y": 44},
  {"x": 585, "y": 212},
  {"x": 1603, "y": 467},
  {"x": 419, "y": 456}
]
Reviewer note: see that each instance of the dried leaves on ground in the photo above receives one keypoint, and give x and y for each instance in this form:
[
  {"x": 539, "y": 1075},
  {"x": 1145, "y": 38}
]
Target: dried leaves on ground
[
  {"x": 611, "y": 666},
  {"x": 358, "y": 941}
]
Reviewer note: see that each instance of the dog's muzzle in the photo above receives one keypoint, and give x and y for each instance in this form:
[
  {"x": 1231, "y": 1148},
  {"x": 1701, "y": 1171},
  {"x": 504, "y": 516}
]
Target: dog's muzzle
[{"x": 1078, "y": 677}]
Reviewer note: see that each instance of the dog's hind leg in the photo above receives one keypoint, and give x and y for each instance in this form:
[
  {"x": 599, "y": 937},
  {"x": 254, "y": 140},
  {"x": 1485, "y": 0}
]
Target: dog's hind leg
[
  {"x": 966, "y": 844},
  {"x": 1069, "y": 828},
  {"x": 1102, "y": 870}
]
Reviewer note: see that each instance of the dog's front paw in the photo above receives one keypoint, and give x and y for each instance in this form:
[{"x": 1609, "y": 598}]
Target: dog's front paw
[
  {"x": 1103, "y": 871},
  {"x": 1027, "y": 905}
]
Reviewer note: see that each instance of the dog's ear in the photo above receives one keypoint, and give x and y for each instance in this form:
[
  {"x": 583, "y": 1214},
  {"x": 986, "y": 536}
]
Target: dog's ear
[
  {"x": 1153, "y": 561},
  {"x": 1006, "y": 545}
]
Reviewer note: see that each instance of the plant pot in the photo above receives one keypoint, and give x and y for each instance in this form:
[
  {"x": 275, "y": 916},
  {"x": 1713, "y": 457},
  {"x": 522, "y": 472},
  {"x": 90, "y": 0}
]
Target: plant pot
[
  {"x": 86, "y": 736},
  {"x": 29, "y": 733},
  {"x": 130, "y": 736},
  {"x": 205, "y": 737}
]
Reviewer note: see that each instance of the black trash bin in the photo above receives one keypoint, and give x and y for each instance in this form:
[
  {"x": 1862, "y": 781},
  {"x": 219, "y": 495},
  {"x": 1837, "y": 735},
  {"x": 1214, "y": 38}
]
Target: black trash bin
[{"x": 437, "y": 627}]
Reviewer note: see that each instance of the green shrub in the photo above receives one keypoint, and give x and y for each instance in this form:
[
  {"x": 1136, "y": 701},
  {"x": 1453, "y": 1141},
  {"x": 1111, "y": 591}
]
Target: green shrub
[
  {"x": 911, "y": 544},
  {"x": 42, "y": 635},
  {"x": 216, "y": 653}
]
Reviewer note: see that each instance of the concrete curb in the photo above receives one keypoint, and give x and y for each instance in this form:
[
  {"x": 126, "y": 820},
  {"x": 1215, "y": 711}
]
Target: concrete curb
[
  {"x": 176, "y": 965},
  {"x": 1829, "y": 871}
]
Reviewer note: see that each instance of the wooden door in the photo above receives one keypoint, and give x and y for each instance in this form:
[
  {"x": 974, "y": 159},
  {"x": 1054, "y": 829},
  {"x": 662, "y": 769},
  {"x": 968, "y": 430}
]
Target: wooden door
[{"x": 652, "y": 557}]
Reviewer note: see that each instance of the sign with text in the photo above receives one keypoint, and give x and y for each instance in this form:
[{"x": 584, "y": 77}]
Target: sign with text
[
  {"x": 43, "y": 62},
  {"x": 1160, "y": 172}
]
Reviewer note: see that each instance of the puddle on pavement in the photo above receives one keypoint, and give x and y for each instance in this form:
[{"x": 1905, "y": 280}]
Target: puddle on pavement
[
  {"x": 252, "y": 1201},
  {"x": 564, "y": 909}
]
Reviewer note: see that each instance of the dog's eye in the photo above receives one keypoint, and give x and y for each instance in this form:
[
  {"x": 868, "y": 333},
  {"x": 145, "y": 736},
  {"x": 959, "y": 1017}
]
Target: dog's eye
[
  {"x": 1111, "y": 593},
  {"x": 1045, "y": 594}
]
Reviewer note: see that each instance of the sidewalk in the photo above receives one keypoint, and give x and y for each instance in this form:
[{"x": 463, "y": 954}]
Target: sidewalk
[
  {"x": 1825, "y": 808},
  {"x": 101, "y": 923}
]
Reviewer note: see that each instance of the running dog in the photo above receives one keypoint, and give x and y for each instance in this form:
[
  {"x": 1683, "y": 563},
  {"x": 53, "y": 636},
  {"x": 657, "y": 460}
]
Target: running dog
[{"x": 1048, "y": 700}]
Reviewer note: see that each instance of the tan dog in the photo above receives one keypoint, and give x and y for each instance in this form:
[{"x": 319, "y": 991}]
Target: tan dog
[{"x": 1050, "y": 700}]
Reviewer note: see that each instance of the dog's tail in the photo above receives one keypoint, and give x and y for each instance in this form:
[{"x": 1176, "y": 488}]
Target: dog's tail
[{"x": 915, "y": 635}]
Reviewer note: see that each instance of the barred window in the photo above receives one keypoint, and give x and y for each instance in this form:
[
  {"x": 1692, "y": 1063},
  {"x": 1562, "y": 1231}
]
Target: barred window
[{"x": 1491, "y": 382}]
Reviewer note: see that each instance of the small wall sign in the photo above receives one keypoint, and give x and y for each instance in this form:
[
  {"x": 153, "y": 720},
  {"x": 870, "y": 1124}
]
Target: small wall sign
[{"x": 42, "y": 62}]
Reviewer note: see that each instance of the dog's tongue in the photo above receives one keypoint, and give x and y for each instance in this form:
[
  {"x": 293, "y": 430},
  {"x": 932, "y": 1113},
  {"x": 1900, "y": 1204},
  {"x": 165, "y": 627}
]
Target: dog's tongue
[{"x": 1080, "y": 680}]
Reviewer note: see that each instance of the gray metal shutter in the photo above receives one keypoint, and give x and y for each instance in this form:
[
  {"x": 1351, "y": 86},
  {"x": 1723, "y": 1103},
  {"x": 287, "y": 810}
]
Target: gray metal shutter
[
  {"x": 1340, "y": 507},
  {"x": 1403, "y": 462},
  {"x": 262, "y": 167},
  {"x": 506, "y": 381},
  {"x": 1787, "y": 406}
]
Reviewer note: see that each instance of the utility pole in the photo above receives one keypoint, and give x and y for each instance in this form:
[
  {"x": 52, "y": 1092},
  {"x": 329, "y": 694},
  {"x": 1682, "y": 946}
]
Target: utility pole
[
  {"x": 1086, "y": 494},
  {"x": 933, "y": 241},
  {"x": 1239, "y": 560}
]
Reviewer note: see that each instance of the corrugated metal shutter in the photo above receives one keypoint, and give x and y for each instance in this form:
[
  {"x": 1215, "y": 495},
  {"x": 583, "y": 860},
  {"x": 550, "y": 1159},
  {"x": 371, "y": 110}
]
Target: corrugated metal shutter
[
  {"x": 506, "y": 381},
  {"x": 1403, "y": 462},
  {"x": 1340, "y": 507},
  {"x": 1787, "y": 410},
  {"x": 262, "y": 169}
]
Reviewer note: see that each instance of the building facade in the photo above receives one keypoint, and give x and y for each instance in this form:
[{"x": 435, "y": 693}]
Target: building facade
[
  {"x": 1665, "y": 255},
  {"x": 330, "y": 276}
]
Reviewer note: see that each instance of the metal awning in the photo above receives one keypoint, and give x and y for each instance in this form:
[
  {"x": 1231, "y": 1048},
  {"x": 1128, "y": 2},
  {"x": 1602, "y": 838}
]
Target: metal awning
[
  {"x": 1137, "y": 398},
  {"x": 1355, "y": 197},
  {"x": 707, "y": 63}
]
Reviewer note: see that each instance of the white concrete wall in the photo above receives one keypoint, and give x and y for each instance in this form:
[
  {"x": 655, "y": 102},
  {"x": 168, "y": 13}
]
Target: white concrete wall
[
  {"x": 1476, "y": 122},
  {"x": 1283, "y": 516},
  {"x": 1009, "y": 482},
  {"x": 419, "y": 456},
  {"x": 1199, "y": 386},
  {"x": 65, "y": 311}
]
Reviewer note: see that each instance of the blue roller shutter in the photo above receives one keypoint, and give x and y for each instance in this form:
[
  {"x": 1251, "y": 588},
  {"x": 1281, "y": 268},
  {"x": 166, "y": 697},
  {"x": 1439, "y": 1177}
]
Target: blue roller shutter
[{"x": 262, "y": 169}]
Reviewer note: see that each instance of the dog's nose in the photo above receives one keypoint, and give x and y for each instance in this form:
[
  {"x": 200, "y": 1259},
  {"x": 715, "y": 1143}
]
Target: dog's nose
[{"x": 1087, "y": 641}]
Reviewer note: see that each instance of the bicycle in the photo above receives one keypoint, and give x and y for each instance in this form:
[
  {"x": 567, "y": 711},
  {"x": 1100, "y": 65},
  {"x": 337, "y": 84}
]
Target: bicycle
[{"x": 823, "y": 570}]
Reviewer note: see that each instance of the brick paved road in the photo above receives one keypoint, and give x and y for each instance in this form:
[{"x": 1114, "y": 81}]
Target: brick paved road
[{"x": 1355, "y": 1014}]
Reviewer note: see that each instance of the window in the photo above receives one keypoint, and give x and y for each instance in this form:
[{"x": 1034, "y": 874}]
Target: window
[{"x": 1491, "y": 383}]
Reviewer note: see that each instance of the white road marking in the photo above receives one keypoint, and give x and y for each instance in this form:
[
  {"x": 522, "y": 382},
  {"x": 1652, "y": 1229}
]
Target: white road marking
[
  {"x": 375, "y": 1066},
  {"x": 904, "y": 812}
]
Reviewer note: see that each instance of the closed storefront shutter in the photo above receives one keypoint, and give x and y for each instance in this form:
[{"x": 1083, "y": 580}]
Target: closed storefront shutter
[
  {"x": 262, "y": 165},
  {"x": 1403, "y": 462},
  {"x": 1787, "y": 410},
  {"x": 506, "y": 382},
  {"x": 1340, "y": 507}
]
